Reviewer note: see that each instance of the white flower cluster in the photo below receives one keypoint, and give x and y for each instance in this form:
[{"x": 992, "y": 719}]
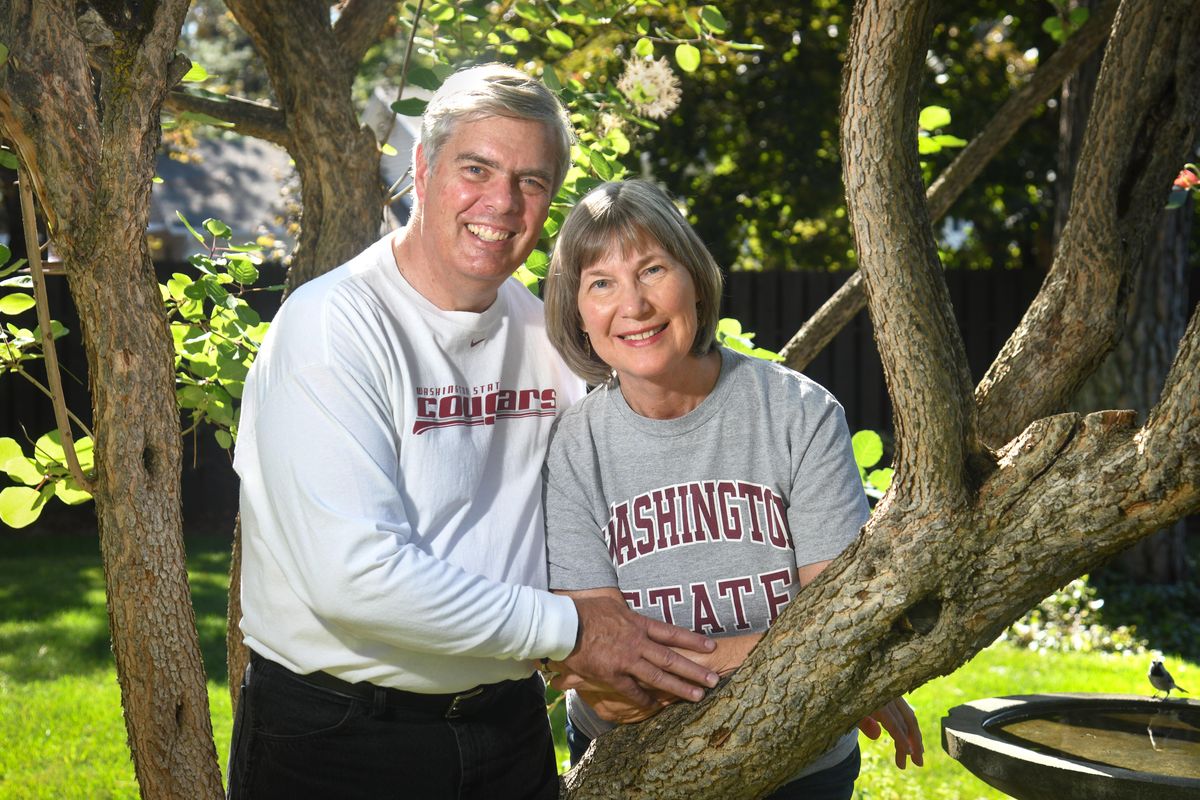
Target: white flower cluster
[{"x": 651, "y": 86}]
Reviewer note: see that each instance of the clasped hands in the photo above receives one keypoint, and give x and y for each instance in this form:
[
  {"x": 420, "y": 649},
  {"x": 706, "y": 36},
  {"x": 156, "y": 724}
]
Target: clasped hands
[{"x": 628, "y": 668}]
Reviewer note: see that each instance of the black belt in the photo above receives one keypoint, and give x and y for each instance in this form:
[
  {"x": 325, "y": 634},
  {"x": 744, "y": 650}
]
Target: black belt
[{"x": 450, "y": 706}]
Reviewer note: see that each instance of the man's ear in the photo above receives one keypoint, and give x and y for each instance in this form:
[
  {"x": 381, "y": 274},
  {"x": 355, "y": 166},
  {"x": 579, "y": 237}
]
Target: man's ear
[{"x": 420, "y": 173}]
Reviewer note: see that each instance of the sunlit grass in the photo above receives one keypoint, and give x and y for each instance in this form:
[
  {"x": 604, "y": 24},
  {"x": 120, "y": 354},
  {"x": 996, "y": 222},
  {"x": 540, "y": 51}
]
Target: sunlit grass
[{"x": 62, "y": 736}]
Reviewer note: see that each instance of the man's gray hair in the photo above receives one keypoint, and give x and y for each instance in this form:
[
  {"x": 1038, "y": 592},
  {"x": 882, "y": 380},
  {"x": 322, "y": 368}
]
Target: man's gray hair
[{"x": 496, "y": 90}]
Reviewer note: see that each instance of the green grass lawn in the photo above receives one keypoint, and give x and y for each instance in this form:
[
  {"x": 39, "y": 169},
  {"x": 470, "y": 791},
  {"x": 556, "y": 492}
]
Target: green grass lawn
[{"x": 62, "y": 736}]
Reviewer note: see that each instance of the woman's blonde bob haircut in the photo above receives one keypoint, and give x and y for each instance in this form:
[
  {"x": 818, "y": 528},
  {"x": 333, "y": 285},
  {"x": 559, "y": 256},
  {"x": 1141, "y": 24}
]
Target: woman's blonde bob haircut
[{"x": 623, "y": 215}]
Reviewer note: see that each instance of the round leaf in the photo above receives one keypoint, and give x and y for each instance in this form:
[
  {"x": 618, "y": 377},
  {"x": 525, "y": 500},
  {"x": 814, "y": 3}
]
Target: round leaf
[
  {"x": 217, "y": 228},
  {"x": 66, "y": 491},
  {"x": 20, "y": 506},
  {"x": 223, "y": 439},
  {"x": 687, "y": 57},
  {"x": 868, "y": 448},
  {"x": 16, "y": 303},
  {"x": 519, "y": 34},
  {"x": 644, "y": 47},
  {"x": 412, "y": 107},
  {"x": 713, "y": 19},
  {"x": 933, "y": 117}
]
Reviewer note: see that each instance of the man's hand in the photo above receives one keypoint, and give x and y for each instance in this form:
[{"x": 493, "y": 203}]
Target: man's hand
[
  {"x": 898, "y": 720},
  {"x": 630, "y": 654}
]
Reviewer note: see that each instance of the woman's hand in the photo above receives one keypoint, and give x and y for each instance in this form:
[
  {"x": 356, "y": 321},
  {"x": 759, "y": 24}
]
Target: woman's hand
[
  {"x": 898, "y": 720},
  {"x": 729, "y": 654}
]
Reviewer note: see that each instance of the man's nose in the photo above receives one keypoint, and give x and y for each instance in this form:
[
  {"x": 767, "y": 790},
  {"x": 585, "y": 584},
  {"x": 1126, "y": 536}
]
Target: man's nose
[{"x": 503, "y": 196}]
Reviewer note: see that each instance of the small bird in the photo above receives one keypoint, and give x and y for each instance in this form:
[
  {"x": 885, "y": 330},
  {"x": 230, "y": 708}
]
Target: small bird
[{"x": 1161, "y": 680}]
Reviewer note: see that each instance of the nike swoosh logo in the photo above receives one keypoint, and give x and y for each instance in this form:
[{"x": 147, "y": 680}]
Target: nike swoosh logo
[{"x": 477, "y": 341}]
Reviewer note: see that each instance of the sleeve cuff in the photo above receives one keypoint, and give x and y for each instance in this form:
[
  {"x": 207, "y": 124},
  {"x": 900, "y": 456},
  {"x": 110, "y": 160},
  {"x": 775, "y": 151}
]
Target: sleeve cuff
[{"x": 561, "y": 626}]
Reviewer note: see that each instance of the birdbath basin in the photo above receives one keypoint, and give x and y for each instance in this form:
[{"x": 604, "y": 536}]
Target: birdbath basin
[{"x": 1085, "y": 746}]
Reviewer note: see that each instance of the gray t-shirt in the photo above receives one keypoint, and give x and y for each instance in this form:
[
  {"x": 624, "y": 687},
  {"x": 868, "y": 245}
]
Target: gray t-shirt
[{"x": 702, "y": 520}]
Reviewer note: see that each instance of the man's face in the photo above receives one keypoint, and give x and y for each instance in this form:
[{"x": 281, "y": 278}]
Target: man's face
[{"x": 483, "y": 204}]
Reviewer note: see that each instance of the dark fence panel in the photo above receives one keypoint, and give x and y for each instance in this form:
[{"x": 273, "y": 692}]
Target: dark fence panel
[{"x": 988, "y": 305}]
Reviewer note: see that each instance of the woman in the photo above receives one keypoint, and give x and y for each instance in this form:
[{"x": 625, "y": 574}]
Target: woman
[{"x": 702, "y": 486}]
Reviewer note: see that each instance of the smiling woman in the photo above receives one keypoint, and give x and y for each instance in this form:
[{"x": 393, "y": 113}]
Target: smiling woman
[{"x": 673, "y": 487}]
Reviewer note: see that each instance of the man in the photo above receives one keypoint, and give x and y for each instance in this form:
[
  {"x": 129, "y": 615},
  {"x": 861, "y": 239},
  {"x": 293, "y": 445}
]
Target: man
[{"x": 392, "y": 436}]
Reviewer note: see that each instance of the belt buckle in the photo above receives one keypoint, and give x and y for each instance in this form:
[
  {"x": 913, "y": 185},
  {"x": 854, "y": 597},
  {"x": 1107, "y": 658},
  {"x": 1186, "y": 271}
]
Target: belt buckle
[{"x": 453, "y": 712}]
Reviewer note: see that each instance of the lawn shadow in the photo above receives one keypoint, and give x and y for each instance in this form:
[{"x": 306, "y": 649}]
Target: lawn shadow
[{"x": 53, "y": 617}]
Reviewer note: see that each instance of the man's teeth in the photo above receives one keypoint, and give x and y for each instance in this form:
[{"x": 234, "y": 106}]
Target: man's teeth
[
  {"x": 638, "y": 337},
  {"x": 489, "y": 234}
]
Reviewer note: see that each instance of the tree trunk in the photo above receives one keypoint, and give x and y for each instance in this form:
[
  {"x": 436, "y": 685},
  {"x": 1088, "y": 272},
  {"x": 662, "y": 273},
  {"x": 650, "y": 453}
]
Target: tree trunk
[
  {"x": 88, "y": 141},
  {"x": 311, "y": 65},
  {"x": 1131, "y": 375},
  {"x": 965, "y": 540}
]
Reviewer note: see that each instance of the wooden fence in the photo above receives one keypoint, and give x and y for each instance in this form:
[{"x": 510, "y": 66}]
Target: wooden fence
[{"x": 988, "y": 305}]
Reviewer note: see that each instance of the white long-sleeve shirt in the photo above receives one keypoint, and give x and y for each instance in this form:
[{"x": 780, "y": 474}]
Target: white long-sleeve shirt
[{"x": 390, "y": 454}]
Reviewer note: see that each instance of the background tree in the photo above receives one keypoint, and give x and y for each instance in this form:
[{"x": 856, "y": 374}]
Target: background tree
[
  {"x": 81, "y": 88},
  {"x": 973, "y": 526}
]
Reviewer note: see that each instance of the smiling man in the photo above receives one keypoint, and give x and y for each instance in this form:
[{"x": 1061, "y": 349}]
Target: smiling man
[{"x": 392, "y": 436}]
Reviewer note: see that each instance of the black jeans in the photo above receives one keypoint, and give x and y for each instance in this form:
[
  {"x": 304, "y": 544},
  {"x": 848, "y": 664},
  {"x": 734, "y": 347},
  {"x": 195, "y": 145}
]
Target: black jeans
[
  {"x": 294, "y": 740},
  {"x": 833, "y": 783}
]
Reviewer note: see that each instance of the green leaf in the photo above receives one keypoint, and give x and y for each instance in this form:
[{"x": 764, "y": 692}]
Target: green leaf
[
  {"x": 412, "y": 107},
  {"x": 49, "y": 450},
  {"x": 5, "y": 254},
  {"x": 16, "y": 303},
  {"x": 243, "y": 271},
  {"x": 156, "y": 179},
  {"x": 946, "y": 140},
  {"x": 600, "y": 164},
  {"x": 16, "y": 465},
  {"x": 69, "y": 492},
  {"x": 687, "y": 57},
  {"x": 223, "y": 439},
  {"x": 926, "y": 145},
  {"x": 644, "y": 48},
  {"x": 538, "y": 263},
  {"x": 217, "y": 228},
  {"x": 425, "y": 78},
  {"x": 1078, "y": 16},
  {"x": 204, "y": 119},
  {"x": 527, "y": 277},
  {"x": 8, "y": 159},
  {"x": 881, "y": 479},
  {"x": 933, "y": 117},
  {"x": 528, "y": 11},
  {"x": 868, "y": 448},
  {"x": 713, "y": 19},
  {"x": 188, "y": 225},
  {"x": 24, "y": 281},
  {"x": 441, "y": 13},
  {"x": 519, "y": 34},
  {"x": 388, "y": 150},
  {"x": 196, "y": 74},
  {"x": 559, "y": 39},
  {"x": 20, "y": 506},
  {"x": 3, "y": 54},
  {"x": 550, "y": 78}
]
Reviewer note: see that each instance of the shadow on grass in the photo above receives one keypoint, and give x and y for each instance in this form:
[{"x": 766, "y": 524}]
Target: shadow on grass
[{"x": 53, "y": 617}]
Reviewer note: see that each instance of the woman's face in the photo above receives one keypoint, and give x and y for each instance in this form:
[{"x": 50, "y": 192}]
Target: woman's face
[{"x": 639, "y": 310}]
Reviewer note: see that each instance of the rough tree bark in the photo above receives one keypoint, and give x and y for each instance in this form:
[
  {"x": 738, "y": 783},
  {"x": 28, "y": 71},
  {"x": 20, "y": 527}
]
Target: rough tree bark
[
  {"x": 820, "y": 329},
  {"x": 966, "y": 539},
  {"x": 87, "y": 138},
  {"x": 1132, "y": 374}
]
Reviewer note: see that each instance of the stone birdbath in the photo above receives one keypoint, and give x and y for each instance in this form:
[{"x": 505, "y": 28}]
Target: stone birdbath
[{"x": 1085, "y": 746}]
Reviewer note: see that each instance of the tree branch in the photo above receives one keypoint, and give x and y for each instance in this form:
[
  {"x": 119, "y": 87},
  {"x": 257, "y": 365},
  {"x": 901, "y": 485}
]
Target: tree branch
[
  {"x": 922, "y": 351},
  {"x": 359, "y": 26},
  {"x": 842, "y": 307},
  {"x": 49, "y": 352},
  {"x": 1144, "y": 121},
  {"x": 248, "y": 118}
]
